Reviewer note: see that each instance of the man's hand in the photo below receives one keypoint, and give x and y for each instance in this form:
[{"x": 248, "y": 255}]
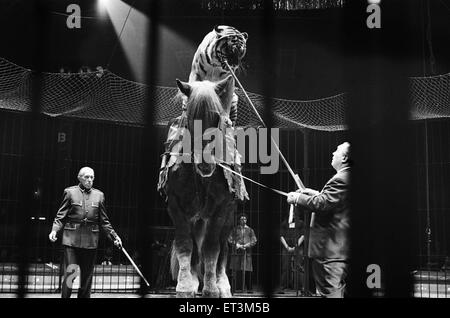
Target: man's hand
[
  {"x": 118, "y": 242},
  {"x": 239, "y": 246},
  {"x": 309, "y": 191},
  {"x": 52, "y": 236},
  {"x": 292, "y": 197}
]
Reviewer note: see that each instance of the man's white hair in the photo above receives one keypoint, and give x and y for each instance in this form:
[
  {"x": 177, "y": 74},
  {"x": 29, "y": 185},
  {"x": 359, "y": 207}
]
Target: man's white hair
[{"x": 82, "y": 171}]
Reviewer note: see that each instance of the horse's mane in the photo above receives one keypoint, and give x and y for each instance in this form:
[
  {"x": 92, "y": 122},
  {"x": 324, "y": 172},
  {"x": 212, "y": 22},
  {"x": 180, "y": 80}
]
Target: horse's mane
[{"x": 203, "y": 104}]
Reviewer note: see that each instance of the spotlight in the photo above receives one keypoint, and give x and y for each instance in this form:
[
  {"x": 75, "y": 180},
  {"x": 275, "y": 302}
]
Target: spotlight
[{"x": 101, "y": 7}]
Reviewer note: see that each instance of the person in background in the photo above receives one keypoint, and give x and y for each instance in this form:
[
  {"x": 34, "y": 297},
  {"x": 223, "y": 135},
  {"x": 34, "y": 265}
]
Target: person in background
[
  {"x": 291, "y": 238},
  {"x": 242, "y": 239}
]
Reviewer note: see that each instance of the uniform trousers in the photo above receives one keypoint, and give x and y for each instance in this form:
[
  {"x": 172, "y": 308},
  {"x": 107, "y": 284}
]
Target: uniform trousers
[{"x": 85, "y": 259}]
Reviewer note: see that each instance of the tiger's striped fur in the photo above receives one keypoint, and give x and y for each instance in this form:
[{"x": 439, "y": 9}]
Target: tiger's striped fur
[{"x": 222, "y": 43}]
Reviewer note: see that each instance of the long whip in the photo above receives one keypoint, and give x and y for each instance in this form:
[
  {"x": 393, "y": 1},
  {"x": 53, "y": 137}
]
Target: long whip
[
  {"x": 295, "y": 176},
  {"x": 134, "y": 265}
]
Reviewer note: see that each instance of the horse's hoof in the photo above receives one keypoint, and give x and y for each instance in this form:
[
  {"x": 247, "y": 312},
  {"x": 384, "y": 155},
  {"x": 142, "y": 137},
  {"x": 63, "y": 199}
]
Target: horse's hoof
[
  {"x": 210, "y": 294},
  {"x": 185, "y": 295},
  {"x": 225, "y": 294}
]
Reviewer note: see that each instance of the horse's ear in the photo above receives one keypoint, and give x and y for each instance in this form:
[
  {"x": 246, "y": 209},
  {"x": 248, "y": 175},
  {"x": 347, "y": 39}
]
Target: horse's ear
[
  {"x": 224, "y": 84},
  {"x": 184, "y": 87},
  {"x": 217, "y": 29}
]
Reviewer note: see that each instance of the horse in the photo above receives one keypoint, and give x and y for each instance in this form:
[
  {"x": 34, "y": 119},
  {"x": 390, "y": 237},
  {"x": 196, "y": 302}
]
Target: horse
[{"x": 199, "y": 201}]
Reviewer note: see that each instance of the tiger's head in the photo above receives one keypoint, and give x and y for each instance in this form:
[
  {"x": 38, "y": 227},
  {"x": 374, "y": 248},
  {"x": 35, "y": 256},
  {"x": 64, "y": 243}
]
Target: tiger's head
[{"x": 230, "y": 45}]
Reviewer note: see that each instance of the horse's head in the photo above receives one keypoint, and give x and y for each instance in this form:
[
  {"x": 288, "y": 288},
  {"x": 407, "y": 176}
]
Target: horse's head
[{"x": 207, "y": 102}]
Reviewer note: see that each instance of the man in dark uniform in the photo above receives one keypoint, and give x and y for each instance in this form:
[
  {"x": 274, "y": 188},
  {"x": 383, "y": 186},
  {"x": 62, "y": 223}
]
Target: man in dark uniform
[
  {"x": 80, "y": 215},
  {"x": 242, "y": 238},
  {"x": 329, "y": 237},
  {"x": 291, "y": 238}
]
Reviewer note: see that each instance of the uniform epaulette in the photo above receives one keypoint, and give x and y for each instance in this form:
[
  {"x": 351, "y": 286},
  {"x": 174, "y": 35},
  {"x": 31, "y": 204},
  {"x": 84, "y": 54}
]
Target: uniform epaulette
[{"x": 97, "y": 190}]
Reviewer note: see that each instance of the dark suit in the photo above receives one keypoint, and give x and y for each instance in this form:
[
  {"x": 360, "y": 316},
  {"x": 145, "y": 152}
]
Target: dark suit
[
  {"x": 80, "y": 215},
  {"x": 329, "y": 237},
  {"x": 291, "y": 262},
  {"x": 241, "y": 261}
]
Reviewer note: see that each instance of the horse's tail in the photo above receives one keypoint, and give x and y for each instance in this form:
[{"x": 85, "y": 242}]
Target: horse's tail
[{"x": 174, "y": 266}]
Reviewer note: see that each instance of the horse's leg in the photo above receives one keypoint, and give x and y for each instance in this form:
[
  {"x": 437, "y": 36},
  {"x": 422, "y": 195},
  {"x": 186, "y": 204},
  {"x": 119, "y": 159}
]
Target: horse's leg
[
  {"x": 210, "y": 255},
  {"x": 198, "y": 233},
  {"x": 186, "y": 283},
  {"x": 223, "y": 282}
]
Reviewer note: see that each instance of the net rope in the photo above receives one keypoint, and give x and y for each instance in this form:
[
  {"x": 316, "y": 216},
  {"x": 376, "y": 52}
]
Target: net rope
[
  {"x": 105, "y": 96},
  {"x": 430, "y": 97}
]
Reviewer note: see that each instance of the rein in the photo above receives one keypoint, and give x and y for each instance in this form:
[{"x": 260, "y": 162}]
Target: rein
[{"x": 234, "y": 172}]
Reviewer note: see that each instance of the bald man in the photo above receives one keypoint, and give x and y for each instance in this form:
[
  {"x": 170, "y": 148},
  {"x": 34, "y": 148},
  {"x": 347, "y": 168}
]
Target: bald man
[
  {"x": 80, "y": 216},
  {"x": 329, "y": 242}
]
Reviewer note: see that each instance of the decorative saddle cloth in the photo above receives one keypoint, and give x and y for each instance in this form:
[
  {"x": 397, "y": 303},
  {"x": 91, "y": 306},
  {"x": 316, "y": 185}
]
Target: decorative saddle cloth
[{"x": 171, "y": 159}]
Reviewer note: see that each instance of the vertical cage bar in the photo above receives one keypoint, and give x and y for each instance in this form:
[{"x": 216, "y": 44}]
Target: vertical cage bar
[
  {"x": 149, "y": 153},
  {"x": 270, "y": 223},
  {"x": 32, "y": 140}
]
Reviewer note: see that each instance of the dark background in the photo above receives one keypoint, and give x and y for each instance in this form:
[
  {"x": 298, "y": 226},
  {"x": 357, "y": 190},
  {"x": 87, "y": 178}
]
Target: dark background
[{"x": 308, "y": 47}]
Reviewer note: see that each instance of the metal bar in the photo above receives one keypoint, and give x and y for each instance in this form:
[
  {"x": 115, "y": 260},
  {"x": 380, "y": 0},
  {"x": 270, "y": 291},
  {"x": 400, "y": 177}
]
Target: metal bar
[
  {"x": 134, "y": 265},
  {"x": 244, "y": 287},
  {"x": 31, "y": 141},
  {"x": 268, "y": 216},
  {"x": 381, "y": 124},
  {"x": 148, "y": 163},
  {"x": 427, "y": 191}
]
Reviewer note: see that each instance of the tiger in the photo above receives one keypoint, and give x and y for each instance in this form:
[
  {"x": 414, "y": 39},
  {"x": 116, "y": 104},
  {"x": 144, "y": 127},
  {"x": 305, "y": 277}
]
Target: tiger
[{"x": 223, "y": 43}]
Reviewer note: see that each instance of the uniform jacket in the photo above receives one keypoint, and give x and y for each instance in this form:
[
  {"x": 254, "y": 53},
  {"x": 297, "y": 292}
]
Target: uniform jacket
[
  {"x": 80, "y": 216},
  {"x": 329, "y": 237},
  {"x": 240, "y": 259}
]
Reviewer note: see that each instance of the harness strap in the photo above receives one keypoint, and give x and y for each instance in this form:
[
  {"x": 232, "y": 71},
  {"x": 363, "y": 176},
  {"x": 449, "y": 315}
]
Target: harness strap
[
  {"x": 255, "y": 182},
  {"x": 238, "y": 174}
]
